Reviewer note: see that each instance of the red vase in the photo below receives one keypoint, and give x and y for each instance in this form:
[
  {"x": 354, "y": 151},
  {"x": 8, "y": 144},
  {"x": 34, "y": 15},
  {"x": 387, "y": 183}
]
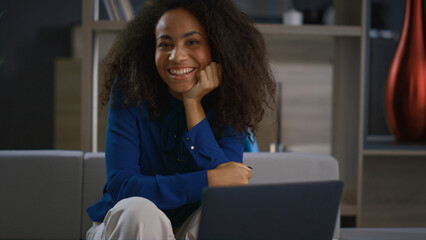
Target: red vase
[{"x": 405, "y": 91}]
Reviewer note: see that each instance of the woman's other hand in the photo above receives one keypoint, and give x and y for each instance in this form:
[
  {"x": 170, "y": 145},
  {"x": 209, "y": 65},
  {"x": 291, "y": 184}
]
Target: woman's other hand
[{"x": 229, "y": 174}]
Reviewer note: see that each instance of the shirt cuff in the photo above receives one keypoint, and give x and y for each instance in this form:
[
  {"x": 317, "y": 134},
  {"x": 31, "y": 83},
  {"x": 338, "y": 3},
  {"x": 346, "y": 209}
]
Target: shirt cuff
[{"x": 195, "y": 184}]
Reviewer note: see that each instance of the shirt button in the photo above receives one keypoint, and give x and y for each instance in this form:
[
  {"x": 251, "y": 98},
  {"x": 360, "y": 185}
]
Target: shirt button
[
  {"x": 187, "y": 138},
  {"x": 174, "y": 136},
  {"x": 180, "y": 160},
  {"x": 192, "y": 147}
]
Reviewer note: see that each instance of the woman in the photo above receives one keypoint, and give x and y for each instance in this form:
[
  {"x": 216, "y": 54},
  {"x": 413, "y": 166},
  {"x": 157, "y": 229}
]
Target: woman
[{"x": 186, "y": 81}]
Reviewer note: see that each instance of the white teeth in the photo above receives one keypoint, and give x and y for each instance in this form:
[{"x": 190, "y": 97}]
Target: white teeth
[{"x": 181, "y": 71}]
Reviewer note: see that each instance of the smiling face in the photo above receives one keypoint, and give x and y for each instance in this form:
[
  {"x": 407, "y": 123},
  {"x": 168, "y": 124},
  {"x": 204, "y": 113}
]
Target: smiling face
[{"x": 182, "y": 50}]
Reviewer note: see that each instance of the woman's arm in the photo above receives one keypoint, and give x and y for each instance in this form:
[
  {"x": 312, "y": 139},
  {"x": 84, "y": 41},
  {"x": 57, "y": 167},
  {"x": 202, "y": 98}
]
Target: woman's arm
[
  {"x": 199, "y": 139},
  {"x": 225, "y": 155}
]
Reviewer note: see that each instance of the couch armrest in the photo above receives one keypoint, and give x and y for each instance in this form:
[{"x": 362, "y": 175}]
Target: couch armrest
[
  {"x": 40, "y": 194},
  {"x": 291, "y": 167}
]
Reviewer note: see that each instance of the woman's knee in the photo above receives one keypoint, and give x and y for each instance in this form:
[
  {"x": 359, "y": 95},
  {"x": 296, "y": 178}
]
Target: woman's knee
[
  {"x": 138, "y": 208},
  {"x": 136, "y": 214}
]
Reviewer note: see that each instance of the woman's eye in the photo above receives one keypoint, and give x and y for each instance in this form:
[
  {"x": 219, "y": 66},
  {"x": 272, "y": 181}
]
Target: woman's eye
[
  {"x": 192, "y": 42},
  {"x": 163, "y": 45}
]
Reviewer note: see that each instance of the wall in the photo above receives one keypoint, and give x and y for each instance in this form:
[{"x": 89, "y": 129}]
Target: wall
[{"x": 304, "y": 66}]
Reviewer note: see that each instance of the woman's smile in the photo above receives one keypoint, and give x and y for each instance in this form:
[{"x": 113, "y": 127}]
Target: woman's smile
[{"x": 182, "y": 73}]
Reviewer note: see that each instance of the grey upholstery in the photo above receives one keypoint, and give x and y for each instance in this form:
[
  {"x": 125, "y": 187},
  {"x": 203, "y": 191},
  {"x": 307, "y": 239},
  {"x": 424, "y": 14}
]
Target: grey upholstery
[
  {"x": 40, "y": 194},
  {"x": 45, "y": 194},
  {"x": 291, "y": 167},
  {"x": 384, "y": 233},
  {"x": 94, "y": 179}
]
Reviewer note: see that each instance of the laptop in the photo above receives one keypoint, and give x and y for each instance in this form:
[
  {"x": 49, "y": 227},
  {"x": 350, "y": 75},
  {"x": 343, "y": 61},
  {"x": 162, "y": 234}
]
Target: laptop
[{"x": 293, "y": 211}]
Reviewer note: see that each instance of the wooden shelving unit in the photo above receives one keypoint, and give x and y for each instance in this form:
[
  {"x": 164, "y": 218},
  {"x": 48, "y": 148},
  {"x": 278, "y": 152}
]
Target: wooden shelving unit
[
  {"x": 310, "y": 30},
  {"x": 275, "y": 29},
  {"x": 390, "y": 173}
]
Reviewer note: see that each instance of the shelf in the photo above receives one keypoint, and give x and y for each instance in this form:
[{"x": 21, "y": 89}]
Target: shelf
[
  {"x": 106, "y": 25},
  {"x": 387, "y": 145},
  {"x": 347, "y": 210},
  {"x": 394, "y": 153},
  {"x": 309, "y": 30}
]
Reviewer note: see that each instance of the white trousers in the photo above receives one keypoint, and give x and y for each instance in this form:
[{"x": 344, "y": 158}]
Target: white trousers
[{"x": 139, "y": 218}]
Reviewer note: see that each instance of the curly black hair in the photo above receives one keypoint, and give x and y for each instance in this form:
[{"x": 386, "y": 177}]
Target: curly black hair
[{"x": 247, "y": 87}]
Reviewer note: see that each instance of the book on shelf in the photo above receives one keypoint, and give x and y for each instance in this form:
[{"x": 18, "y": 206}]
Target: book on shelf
[
  {"x": 127, "y": 9},
  {"x": 116, "y": 10},
  {"x": 119, "y": 10},
  {"x": 110, "y": 12}
]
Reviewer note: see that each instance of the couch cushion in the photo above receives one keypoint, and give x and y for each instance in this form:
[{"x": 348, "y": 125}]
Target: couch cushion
[
  {"x": 291, "y": 167},
  {"x": 40, "y": 194},
  {"x": 94, "y": 178}
]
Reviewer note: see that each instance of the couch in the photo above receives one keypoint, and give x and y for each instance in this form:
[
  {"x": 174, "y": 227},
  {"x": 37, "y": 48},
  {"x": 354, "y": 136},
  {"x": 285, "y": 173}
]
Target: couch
[{"x": 44, "y": 194}]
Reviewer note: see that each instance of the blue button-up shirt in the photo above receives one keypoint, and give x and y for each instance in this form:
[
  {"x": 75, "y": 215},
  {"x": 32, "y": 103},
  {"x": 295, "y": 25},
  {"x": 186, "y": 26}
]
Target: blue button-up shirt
[{"x": 161, "y": 160}]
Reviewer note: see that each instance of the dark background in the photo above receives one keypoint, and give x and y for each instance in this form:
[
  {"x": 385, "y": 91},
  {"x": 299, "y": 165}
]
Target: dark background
[
  {"x": 385, "y": 15},
  {"x": 32, "y": 34}
]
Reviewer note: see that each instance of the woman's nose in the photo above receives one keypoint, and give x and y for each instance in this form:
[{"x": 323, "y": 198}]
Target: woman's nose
[{"x": 177, "y": 54}]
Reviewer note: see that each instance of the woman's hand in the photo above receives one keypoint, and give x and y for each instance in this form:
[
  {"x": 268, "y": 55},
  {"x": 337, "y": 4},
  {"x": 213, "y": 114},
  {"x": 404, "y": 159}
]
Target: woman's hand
[
  {"x": 209, "y": 78},
  {"x": 229, "y": 174}
]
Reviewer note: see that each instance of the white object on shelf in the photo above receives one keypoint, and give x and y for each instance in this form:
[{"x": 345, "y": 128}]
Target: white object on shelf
[
  {"x": 276, "y": 147},
  {"x": 292, "y": 17},
  {"x": 382, "y": 33}
]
